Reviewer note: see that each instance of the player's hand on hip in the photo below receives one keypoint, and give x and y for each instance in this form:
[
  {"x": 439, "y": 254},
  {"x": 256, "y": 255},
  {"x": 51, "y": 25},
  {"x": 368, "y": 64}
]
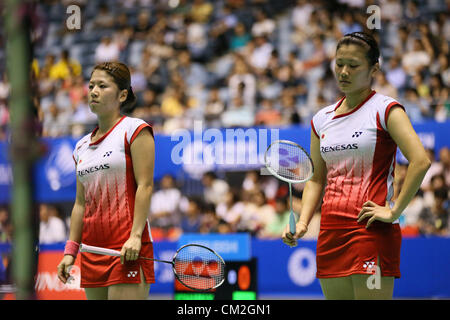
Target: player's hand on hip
[
  {"x": 64, "y": 268},
  {"x": 371, "y": 211},
  {"x": 130, "y": 250},
  {"x": 291, "y": 239}
]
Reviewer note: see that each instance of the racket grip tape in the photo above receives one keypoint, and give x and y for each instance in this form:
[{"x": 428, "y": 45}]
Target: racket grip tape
[
  {"x": 292, "y": 227},
  {"x": 98, "y": 250}
]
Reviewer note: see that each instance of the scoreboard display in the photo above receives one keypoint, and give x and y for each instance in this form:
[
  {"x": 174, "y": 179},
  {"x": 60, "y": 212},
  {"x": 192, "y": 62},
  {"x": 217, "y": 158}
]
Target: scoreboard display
[{"x": 240, "y": 284}]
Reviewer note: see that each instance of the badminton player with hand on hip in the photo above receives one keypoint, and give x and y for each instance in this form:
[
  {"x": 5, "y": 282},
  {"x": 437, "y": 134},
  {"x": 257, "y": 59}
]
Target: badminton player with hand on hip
[
  {"x": 353, "y": 148},
  {"x": 114, "y": 166}
]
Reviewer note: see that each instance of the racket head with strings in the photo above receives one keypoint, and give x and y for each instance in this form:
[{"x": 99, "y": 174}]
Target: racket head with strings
[
  {"x": 198, "y": 267},
  {"x": 288, "y": 161}
]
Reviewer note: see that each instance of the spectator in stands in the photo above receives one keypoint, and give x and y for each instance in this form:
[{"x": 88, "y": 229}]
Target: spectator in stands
[
  {"x": 174, "y": 102},
  {"x": 238, "y": 114},
  {"x": 409, "y": 220},
  {"x": 242, "y": 82},
  {"x": 277, "y": 225},
  {"x": 55, "y": 123},
  {"x": 165, "y": 205},
  {"x": 5, "y": 87},
  {"x": 201, "y": 11},
  {"x": 382, "y": 86},
  {"x": 395, "y": 74},
  {"x": 4, "y": 110},
  {"x": 239, "y": 37},
  {"x": 231, "y": 209},
  {"x": 52, "y": 228},
  {"x": 415, "y": 108},
  {"x": 107, "y": 50},
  {"x": 264, "y": 212},
  {"x": 435, "y": 220},
  {"x": 260, "y": 52},
  {"x": 435, "y": 169},
  {"x": 348, "y": 24},
  {"x": 65, "y": 67},
  {"x": 197, "y": 40},
  {"x": 143, "y": 25},
  {"x": 215, "y": 189},
  {"x": 418, "y": 58},
  {"x": 444, "y": 160},
  {"x": 268, "y": 115},
  {"x": 214, "y": 108},
  {"x": 288, "y": 107},
  {"x": 104, "y": 18},
  {"x": 193, "y": 73},
  {"x": 437, "y": 182},
  {"x": 5, "y": 226},
  {"x": 301, "y": 13},
  {"x": 191, "y": 220},
  {"x": 210, "y": 221},
  {"x": 263, "y": 25}
]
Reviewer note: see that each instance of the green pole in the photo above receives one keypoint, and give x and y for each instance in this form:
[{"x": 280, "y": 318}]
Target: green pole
[{"x": 18, "y": 57}]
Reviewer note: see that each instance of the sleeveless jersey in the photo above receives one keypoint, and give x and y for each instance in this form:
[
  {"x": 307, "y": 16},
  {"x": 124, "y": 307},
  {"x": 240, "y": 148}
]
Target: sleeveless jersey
[
  {"x": 360, "y": 159},
  {"x": 105, "y": 169}
]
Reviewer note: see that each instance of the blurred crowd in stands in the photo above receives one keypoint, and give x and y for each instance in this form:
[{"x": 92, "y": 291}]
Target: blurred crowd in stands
[
  {"x": 239, "y": 63},
  {"x": 232, "y": 62}
]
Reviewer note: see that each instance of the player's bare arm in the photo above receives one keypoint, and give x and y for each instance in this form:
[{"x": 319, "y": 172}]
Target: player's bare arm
[{"x": 143, "y": 158}]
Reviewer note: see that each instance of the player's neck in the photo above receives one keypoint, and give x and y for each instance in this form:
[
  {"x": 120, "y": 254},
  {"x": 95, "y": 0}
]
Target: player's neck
[
  {"x": 354, "y": 99},
  {"x": 105, "y": 123}
]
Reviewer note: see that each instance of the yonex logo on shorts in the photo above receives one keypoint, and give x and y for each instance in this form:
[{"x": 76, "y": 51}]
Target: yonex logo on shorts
[
  {"x": 132, "y": 274},
  {"x": 369, "y": 265}
]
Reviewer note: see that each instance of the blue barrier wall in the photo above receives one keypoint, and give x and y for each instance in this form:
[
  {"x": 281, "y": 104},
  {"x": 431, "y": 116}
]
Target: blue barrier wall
[
  {"x": 291, "y": 271},
  {"x": 282, "y": 270}
]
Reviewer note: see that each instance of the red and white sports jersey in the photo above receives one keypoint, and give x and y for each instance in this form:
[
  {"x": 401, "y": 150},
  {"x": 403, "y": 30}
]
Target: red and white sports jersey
[
  {"x": 360, "y": 158},
  {"x": 105, "y": 169}
]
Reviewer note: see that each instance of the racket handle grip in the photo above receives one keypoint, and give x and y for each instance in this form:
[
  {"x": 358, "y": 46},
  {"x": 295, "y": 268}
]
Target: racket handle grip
[
  {"x": 292, "y": 227},
  {"x": 98, "y": 250}
]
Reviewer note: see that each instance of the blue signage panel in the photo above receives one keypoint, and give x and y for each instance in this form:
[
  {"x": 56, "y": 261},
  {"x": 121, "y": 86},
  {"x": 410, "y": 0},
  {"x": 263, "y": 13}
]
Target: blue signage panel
[
  {"x": 231, "y": 247},
  {"x": 185, "y": 152},
  {"x": 292, "y": 271}
]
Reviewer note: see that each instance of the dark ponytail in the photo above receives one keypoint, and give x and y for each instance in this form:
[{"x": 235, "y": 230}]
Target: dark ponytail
[
  {"x": 130, "y": 103},
  {"x": 121, "y": 75}
]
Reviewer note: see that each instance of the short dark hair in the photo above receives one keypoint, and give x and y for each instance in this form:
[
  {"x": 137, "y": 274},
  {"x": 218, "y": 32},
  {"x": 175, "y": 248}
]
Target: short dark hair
[{"x": 364, "y": 40}]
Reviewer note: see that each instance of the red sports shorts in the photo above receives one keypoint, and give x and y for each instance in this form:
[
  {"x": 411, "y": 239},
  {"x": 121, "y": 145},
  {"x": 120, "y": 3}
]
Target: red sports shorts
[
  {"x": 102, "y": 271},
  {"x": 343, "y": 252}
]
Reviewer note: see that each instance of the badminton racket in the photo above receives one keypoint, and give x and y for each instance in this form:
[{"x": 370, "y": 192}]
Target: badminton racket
[
  {"x": 195, "y": 266},
  {"x": 289, "y": 162}
]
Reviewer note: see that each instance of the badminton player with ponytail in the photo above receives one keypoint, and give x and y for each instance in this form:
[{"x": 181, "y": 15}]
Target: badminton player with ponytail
[
  {"x": 114, "y": 166},
  {"x": 353, "y": 148}
]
